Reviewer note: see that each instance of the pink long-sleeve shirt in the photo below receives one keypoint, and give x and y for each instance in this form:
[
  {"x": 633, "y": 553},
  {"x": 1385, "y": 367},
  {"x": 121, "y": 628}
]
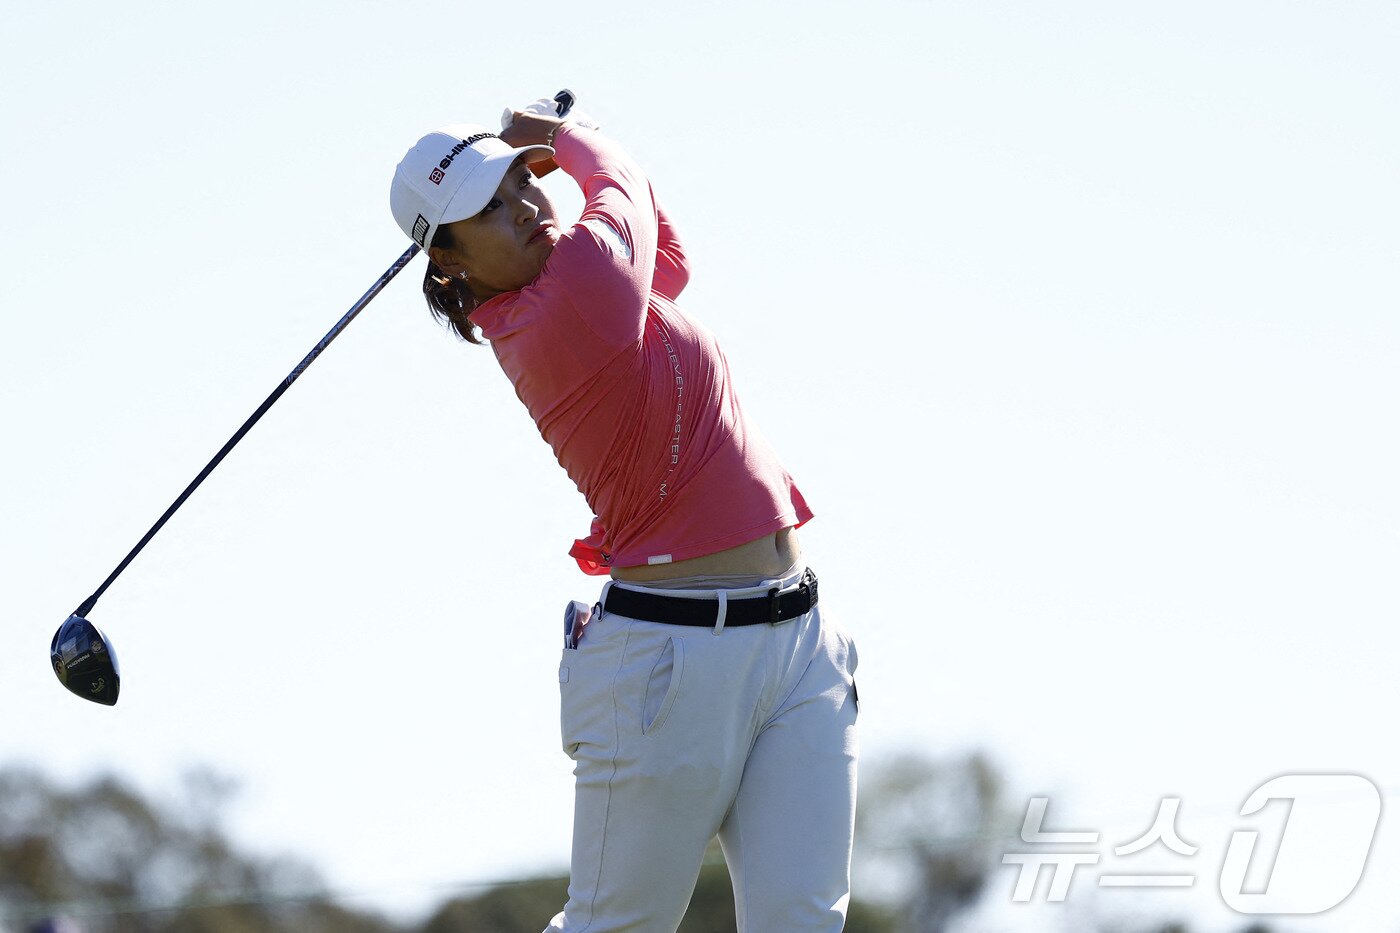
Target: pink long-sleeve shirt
[{"x": 633, "y": 394}]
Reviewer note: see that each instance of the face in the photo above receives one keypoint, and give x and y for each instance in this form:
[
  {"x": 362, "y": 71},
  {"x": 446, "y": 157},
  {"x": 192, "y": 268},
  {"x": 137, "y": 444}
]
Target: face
[{"x": 504, "y": 247}]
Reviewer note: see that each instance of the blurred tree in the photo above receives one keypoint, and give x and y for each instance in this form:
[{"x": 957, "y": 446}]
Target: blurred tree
[
  {"x": 506, "y": 908},
  {"x": 101, "y": 859},
  {"x": 928, "y": 835}
]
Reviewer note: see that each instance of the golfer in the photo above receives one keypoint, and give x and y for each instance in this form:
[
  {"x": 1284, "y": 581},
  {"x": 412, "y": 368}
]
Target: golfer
[{"x": 705, "y": 693}]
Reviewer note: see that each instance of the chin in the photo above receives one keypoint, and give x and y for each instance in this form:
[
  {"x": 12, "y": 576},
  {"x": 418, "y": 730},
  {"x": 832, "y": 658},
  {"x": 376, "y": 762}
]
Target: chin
[{"x": 543, "y": 259}]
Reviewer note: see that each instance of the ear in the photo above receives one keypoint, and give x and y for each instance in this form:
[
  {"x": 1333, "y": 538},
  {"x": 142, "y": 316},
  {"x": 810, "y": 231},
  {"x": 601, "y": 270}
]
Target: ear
[{"x": 449, "y": 259}]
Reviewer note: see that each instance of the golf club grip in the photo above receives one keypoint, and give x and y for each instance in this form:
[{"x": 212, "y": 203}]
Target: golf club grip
[{"x": 282, "y": 387}]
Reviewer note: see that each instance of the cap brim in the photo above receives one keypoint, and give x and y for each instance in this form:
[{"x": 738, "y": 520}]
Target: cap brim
[{"x": 476, "y": 191}]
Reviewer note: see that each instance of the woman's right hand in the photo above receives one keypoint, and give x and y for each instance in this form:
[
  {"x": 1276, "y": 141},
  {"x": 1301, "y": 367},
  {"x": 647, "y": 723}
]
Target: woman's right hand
[{"x": 531, "y": 129}]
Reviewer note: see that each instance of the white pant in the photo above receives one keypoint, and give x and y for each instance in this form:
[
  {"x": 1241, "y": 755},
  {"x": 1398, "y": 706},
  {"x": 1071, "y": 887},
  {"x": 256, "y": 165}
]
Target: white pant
[{"x": 679, "y": 733}]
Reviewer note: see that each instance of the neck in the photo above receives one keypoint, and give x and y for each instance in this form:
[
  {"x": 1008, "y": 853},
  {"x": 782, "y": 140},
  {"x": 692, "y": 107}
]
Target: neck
[{"x": 483, "y": 293}]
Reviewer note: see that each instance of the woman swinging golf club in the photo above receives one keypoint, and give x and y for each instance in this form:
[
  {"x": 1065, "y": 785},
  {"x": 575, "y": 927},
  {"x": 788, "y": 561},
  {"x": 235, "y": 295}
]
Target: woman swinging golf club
[{"x": 704, "y": 694}]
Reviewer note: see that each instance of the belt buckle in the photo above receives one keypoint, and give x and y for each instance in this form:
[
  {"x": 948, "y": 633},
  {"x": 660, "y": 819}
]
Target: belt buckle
[
  {"x": 808, "y": 588},
  {"x": 773, "y": 606}
]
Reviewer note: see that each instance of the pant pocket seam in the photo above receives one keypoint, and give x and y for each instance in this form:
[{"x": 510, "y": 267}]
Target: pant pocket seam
[{"x": 677, "y": 647}]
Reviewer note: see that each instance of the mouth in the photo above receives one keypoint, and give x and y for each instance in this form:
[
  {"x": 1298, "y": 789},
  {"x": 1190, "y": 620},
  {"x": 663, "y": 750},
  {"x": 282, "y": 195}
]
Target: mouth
[{"x": 540, "y": 231}]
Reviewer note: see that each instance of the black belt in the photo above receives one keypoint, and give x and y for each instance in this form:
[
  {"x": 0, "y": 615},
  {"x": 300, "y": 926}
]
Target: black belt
[{"x": 771, "y": 607}]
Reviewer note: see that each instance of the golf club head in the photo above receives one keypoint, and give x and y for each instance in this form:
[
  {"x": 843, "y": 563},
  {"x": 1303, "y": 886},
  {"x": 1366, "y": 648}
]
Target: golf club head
[{"x": 84, "y": 661}]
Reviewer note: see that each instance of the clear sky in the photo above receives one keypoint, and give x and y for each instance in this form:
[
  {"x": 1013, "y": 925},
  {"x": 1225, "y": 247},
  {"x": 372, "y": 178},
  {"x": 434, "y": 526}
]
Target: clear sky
[{"x": 1075, "y": 322}]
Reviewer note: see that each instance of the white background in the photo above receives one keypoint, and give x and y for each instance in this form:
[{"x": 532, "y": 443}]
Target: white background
[{"x": 1076, "y": 324}]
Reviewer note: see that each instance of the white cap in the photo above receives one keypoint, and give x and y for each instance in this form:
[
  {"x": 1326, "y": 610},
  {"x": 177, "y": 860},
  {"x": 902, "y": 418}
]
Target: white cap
[{"x": 448, "y": 176}]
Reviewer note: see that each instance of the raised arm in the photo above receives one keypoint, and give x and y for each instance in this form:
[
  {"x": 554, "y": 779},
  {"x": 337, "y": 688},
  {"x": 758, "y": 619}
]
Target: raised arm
[
  {"x": 672, "y": 268},
  {"x": 604, "y": 265}
]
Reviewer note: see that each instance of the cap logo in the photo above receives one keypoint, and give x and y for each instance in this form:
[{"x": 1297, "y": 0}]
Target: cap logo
[
  {"x": 461, "y": 146},
  {"x": 420, "y": 231},
  {"x": 435, "y": 176}
]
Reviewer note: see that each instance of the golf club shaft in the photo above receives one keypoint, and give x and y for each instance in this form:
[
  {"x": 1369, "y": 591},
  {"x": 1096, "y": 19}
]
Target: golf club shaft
[{"x": 282, "y": 387}]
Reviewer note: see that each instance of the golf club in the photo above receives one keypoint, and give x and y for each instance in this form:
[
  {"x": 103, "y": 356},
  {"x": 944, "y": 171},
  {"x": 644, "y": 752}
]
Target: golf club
[{"x": 82, "y": 656}]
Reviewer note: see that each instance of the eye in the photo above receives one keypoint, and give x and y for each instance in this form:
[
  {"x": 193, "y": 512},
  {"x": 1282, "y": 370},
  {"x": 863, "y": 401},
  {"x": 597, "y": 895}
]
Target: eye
[
  {"x": 527, "y": 179},
  {"x": 491, "y": 205}
]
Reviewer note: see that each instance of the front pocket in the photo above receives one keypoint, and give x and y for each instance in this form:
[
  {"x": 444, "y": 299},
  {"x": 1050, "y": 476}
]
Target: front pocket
[
  {"x": 586, "y": 675},
  {"x": 663, "y": 685}
]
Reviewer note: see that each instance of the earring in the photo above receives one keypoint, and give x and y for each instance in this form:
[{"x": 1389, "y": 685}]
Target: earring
[{"x": 462, "y": 276}]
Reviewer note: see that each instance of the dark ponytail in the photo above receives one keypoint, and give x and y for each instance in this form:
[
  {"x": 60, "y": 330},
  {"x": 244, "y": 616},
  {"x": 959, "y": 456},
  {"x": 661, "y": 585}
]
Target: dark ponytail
[{"x": 450, "y": 298}]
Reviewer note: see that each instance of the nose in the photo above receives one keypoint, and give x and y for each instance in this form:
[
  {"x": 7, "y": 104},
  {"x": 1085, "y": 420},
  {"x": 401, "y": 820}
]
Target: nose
[{"x": 528, "y": 212}]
